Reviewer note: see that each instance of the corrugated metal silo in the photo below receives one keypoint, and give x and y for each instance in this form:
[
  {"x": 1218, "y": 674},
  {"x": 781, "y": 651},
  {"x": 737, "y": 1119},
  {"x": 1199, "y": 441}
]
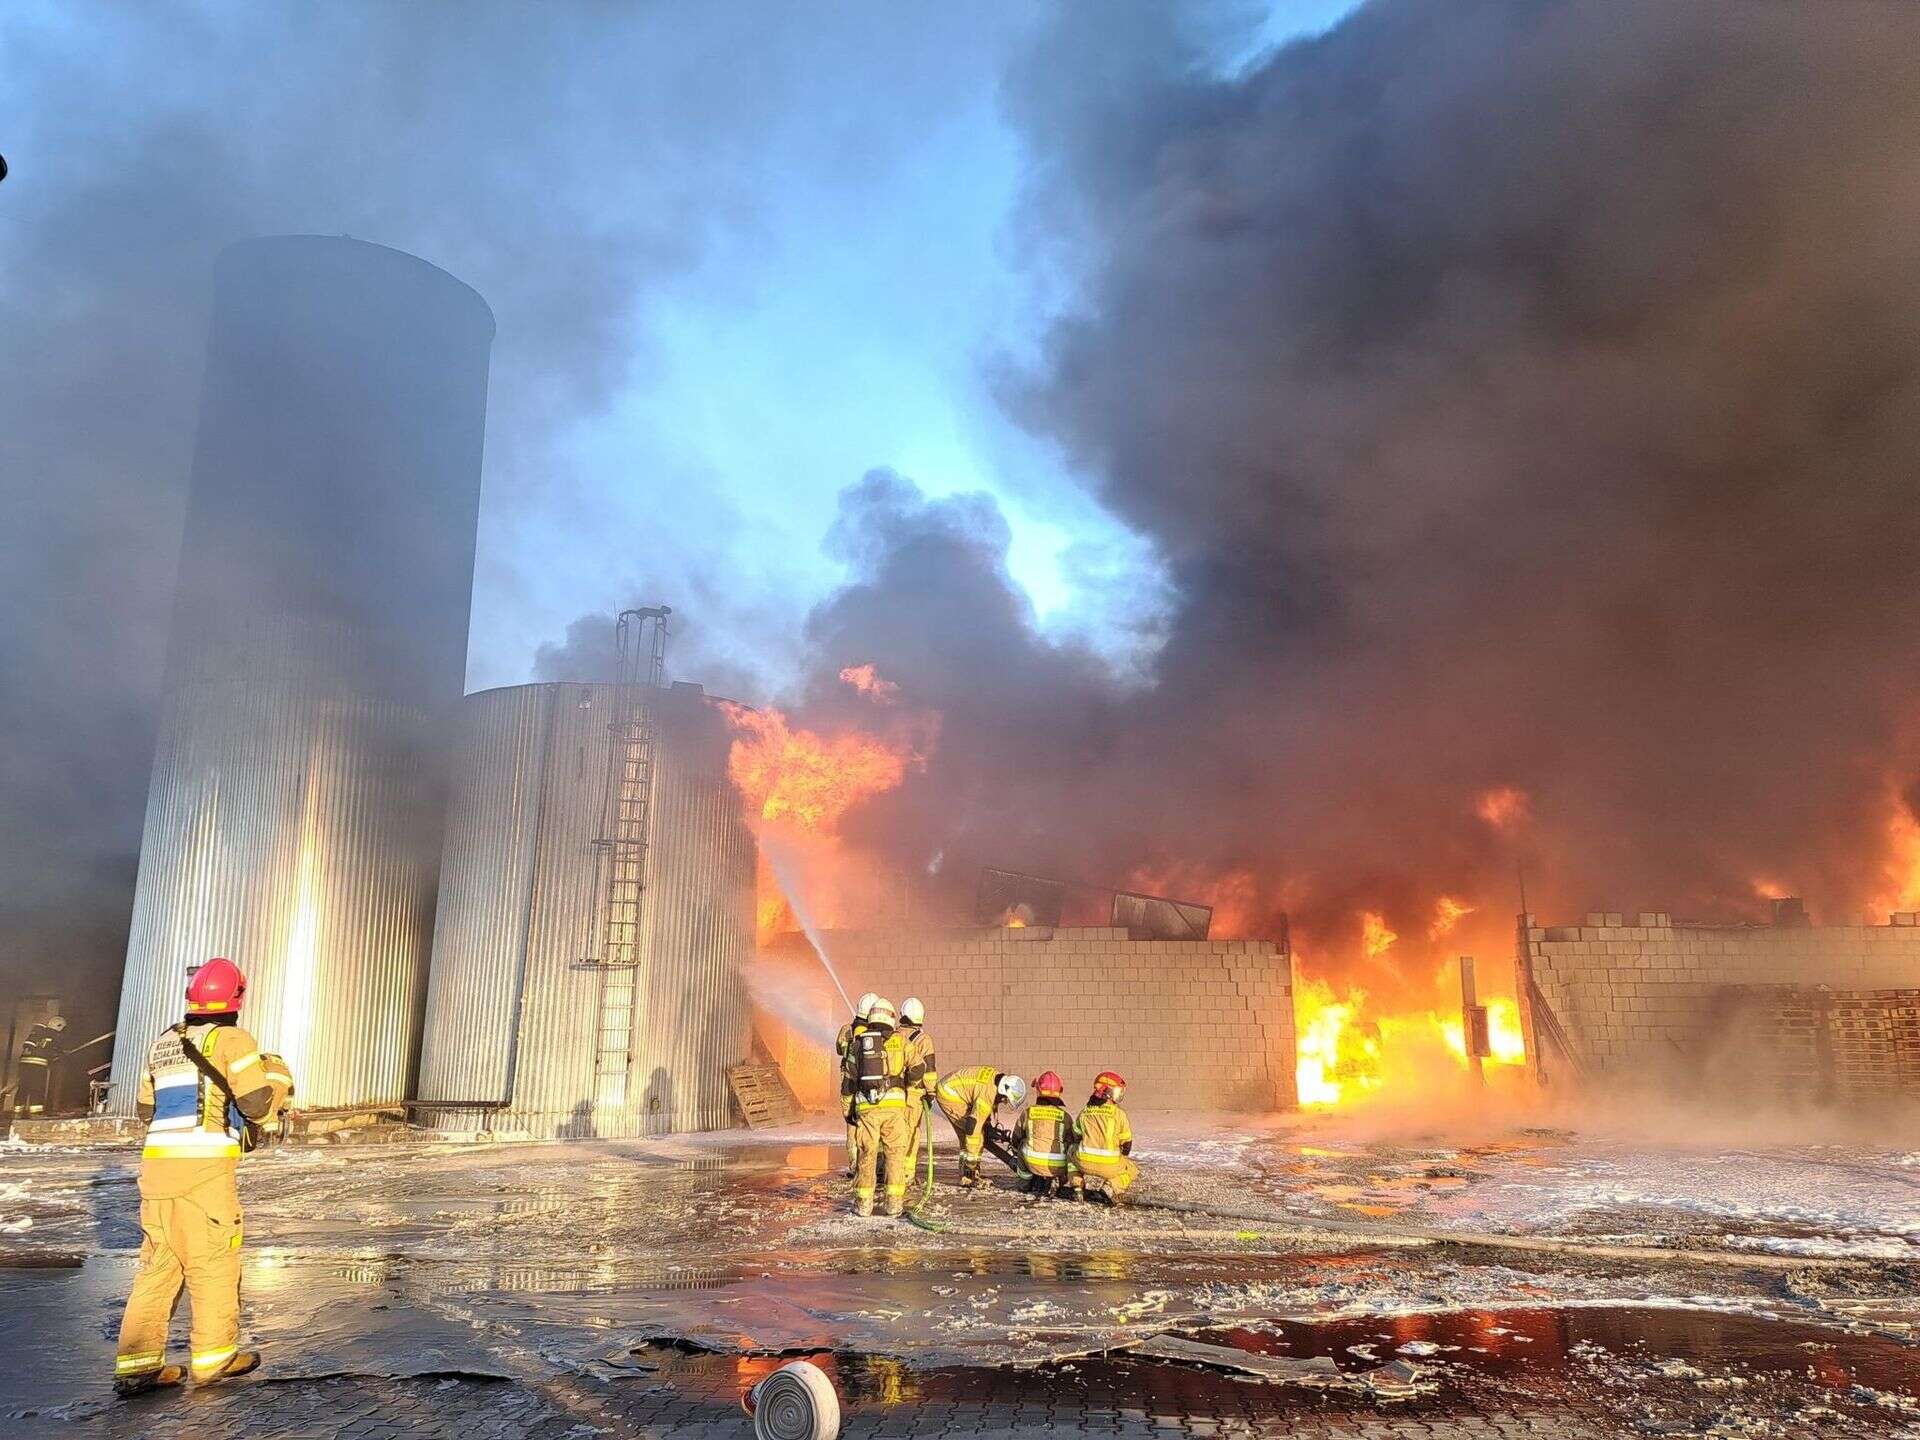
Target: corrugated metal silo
[
  {"x": 318, "y": 647},
  {"x": 529, "y": 1028}
]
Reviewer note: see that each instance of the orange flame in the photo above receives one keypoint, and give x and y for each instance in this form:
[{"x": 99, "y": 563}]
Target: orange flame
[
  {"x": 1447, "y": 913},
  {"x": 798, "y": 786},
  {"x": 806, "y": 780},
  {"x": 1375, "y": 935},
  {"x": 1347, "y": 1052},
  {"x": 1901, "y": 868}
]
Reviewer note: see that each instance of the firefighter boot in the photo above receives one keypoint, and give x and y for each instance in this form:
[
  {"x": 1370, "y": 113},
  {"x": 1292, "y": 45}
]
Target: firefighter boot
[
  {"x": 969, "y": 1172},
  {"x": 244, "y": 1362},
  {"x": 161, "y": 1379}
]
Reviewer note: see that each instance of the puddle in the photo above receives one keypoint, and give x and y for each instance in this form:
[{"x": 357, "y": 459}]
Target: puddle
[
  {"x": 1535, "y": 1342},
  {"x": 1555, "y": 1356}
]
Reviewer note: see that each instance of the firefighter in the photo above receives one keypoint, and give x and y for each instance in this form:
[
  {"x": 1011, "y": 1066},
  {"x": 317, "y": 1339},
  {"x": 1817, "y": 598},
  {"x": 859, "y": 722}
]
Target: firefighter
[
  {"x": 1103, "y": 1142},
  {"x": 923, "y": 1070},
  {"x": 879, "y": 1054},
  {"x": 37, "y": 1054},
  {"x": 842, "y": 1044},
  {"x": 206, "y": 1089},
  {"x": 967, "y": 1098},
  {"x": 1044, "y": 1138}
]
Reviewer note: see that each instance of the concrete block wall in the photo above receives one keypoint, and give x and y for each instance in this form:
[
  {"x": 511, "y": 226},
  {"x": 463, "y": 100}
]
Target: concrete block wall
[
  {"x": 1191, "y": 1024},
  {"x": 1659, "y": 995}
]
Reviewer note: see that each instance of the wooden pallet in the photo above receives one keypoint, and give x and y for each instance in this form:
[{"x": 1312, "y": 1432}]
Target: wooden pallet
[{"x": 764, "y": 1097}]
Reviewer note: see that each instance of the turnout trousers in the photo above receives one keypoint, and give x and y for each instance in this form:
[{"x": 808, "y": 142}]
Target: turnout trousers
[
  {"x": 1118, "y": 1171},
  {"x": 883, "y": 1142},
  {"x": 191, "y": 1242}
]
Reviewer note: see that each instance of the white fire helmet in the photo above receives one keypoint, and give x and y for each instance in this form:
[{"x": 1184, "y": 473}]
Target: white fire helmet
[
  {"x": 912, "y": 1011},
  {"x": 1013, "y": 1090},
  {"x": 865, "y": 1007},
  {"x": 881, "y": 1013}
]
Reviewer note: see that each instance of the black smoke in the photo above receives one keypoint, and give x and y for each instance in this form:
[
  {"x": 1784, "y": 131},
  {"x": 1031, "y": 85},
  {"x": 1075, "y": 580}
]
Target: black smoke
[{"x": 1521, "y": 393}]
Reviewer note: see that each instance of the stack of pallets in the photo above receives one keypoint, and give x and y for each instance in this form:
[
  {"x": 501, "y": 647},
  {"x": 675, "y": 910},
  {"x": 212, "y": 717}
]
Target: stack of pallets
[{"x": 764, "y": 1097}]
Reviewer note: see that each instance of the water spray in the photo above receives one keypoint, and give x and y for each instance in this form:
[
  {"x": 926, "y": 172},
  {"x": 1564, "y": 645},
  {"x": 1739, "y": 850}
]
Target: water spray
[{"x": 780, "y": 861}]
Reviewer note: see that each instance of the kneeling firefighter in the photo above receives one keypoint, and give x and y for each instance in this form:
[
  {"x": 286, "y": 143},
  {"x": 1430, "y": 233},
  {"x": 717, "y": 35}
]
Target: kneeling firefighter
[
  {"x": 843, "y": 1052},
  {"x": 1103, "y": 1141},
  {"x": 1044, "y": 1138},
  {"x": 967, "y": 1098},
  {"x": 206, "y": 1094},
  {"x": 880, "y": 1107}
]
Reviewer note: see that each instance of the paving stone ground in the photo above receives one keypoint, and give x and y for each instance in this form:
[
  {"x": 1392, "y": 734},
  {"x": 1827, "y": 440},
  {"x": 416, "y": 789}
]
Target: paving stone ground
[{"x": 1127, "y": 1399}]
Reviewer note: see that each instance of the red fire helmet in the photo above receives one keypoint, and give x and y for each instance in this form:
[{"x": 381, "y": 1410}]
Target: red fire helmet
[
  {"x": 215, "y": 988},
  {"x": 1108, "y": 1082},
  {"x": 1048, "y": 1083}
]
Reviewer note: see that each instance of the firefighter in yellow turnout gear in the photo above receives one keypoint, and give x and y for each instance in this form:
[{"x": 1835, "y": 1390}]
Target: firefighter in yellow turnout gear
[
  {"x": 842, "y": 1045},
  {"x": 1103, "y": 1142},
  {"x": 878, "y": 1059},
  {"x": 197, "y": 1127},
  {"x": 967, "y": 1098},
  {"x": 1044, "y": 1138},
  {"x": 923, "y": 1071}
]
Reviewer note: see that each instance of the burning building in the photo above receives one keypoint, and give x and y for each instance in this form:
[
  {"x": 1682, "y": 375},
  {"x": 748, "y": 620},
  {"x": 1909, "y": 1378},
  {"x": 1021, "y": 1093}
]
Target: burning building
[
  {"x": 595, "y": 916},
  {"x": 318, "y": 642}
]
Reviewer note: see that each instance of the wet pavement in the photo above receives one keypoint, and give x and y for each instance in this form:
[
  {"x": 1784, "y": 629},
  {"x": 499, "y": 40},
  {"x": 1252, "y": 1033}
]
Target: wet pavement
[{"x": 542, "y": 1290}]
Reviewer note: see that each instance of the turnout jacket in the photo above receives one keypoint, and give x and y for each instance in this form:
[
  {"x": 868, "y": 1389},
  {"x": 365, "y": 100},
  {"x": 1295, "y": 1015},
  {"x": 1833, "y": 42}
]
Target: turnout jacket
[
  {"x": 1102, "y": 1134},
  {"x": 923, "y": 1072},
  {"x": 1045, "y": 1135},
  {"x": 193, "y": 1133},
  {"x": 967, "y": 1097}
]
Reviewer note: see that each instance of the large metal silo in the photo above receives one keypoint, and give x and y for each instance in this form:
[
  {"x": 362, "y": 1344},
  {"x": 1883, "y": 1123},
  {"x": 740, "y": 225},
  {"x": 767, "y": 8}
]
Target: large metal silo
[
  {"x": 561, "y": 1004},
  {"x": 317, "y": 651}
]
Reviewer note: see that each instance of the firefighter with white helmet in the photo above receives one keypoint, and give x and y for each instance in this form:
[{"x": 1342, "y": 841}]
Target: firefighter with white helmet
[
  {"x": 842, "y": 1043},
  {"x": 207, "y": 1090},
  {"x": 923, "y": 1070},
  {"x": 967, "y": 1098},
  {"x": 878, "y": 1061}
]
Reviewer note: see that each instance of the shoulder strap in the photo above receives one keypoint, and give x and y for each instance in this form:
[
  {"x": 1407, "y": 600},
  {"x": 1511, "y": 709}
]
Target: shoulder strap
[{"x": 207, "y": 1068}]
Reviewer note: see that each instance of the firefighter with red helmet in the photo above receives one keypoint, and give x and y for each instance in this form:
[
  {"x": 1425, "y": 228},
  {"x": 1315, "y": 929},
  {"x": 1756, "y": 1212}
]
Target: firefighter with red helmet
[
  {"x": 1103, "y": 1142},
  {"x": 206, "y": 1092},
  {"x": 1044, "y": 1138}
]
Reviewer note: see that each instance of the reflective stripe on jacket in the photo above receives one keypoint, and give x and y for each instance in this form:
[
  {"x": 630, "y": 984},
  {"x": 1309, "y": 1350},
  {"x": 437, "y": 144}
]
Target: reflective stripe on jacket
[
  {"x": 969, "y": 1092},
  {"x": 1102, "y": 1132},
  {"x": 894, "y": 1097},
  {"x": 1045, "y": 1135},
  {"x": 190, "y": 1118}
]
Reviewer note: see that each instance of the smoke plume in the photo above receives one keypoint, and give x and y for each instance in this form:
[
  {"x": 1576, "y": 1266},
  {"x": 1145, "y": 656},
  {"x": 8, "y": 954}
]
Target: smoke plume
[{"x": 1523, "y": 397}]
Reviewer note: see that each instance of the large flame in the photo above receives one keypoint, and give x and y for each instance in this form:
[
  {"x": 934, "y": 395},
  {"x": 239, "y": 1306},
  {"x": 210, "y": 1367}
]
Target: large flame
[
  {"x": 1356, "y": 1045},
  {"x": 805, "y": 780},
  {"x": 800, "y": 784}
]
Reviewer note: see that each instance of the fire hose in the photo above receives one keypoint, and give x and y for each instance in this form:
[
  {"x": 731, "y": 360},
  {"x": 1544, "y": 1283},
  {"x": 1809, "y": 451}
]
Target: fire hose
[
  {"x": 916, "y": 1213},
  {"x": 796, "y": 1402}
]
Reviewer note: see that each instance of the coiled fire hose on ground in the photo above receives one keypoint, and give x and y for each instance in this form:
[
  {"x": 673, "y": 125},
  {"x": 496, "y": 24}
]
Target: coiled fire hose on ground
[{"x": 795, "y": 1402}]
